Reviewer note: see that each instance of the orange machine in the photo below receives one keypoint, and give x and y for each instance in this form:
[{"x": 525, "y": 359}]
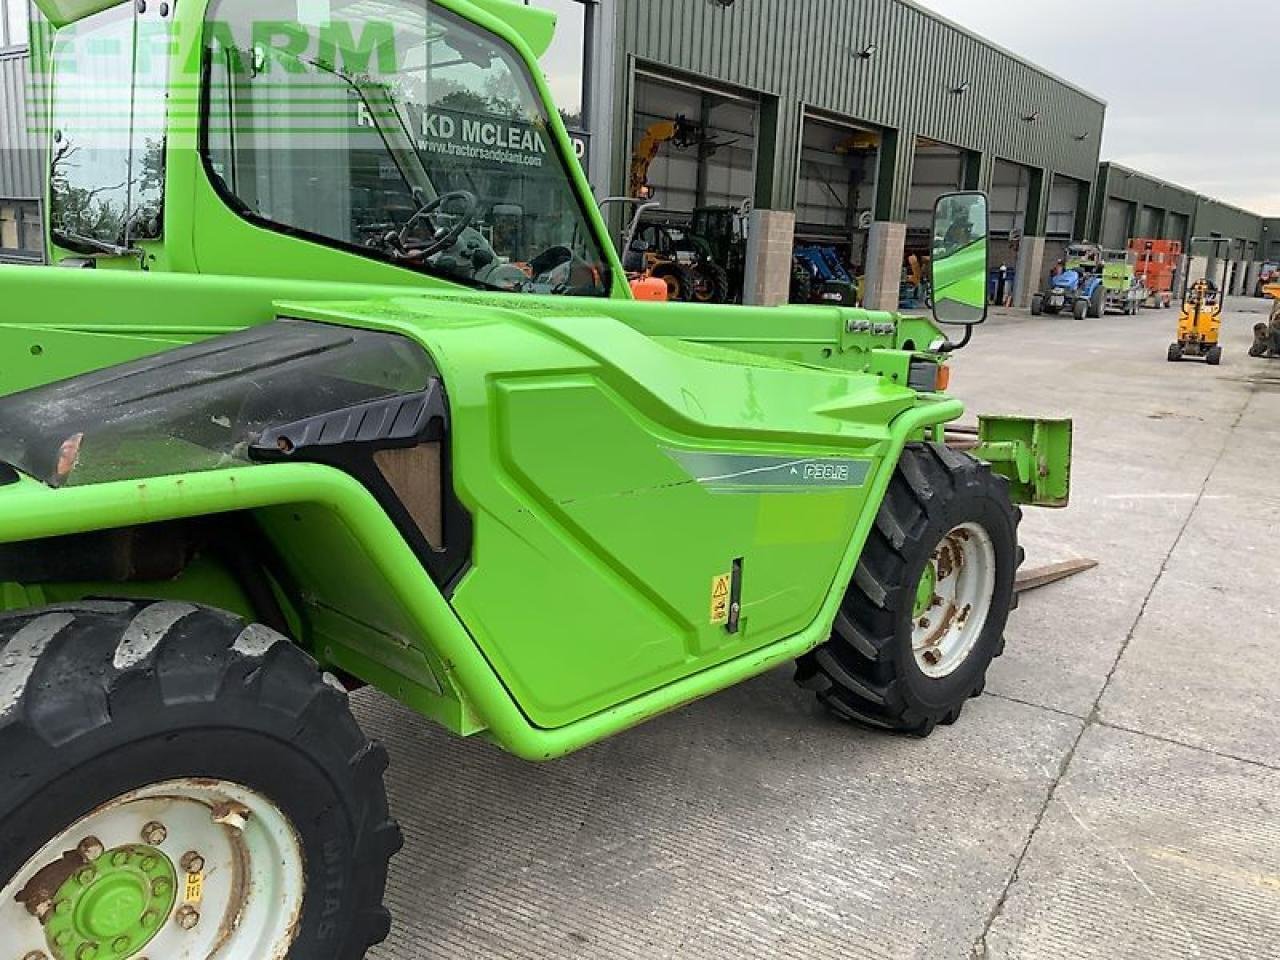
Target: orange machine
[{"x": 1156, "y": 268}]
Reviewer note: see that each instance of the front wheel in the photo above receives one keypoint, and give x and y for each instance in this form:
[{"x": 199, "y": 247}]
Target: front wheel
[
  {"x": 1037, "y": 304},
  {"x": 1098, "y": 302},
  {"x": 1214, "y": 356},
  {"x": 1079, "y": 309},
  {"x": 1175, "y": 352},
  {"x": 177, "y": 783},
  {"x": 925, "y": 613}
]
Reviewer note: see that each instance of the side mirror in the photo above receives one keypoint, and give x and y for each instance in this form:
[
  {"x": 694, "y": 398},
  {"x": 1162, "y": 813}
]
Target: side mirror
[{"x": 958, "y": 269}]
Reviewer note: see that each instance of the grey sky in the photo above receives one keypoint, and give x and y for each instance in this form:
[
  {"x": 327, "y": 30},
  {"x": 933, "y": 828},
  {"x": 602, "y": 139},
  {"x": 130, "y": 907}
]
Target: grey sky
[{"x": 1190, "y": 85}]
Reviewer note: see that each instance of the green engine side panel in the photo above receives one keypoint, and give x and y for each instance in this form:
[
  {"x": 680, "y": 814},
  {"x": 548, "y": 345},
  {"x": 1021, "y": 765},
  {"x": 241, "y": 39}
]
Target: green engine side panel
[{"x": 613, "y": 477}]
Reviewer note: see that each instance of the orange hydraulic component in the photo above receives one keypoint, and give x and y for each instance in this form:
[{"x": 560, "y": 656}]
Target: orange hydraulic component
[
  {"x": 680, "y": 132},
  {"x": 652, "y": 289}
]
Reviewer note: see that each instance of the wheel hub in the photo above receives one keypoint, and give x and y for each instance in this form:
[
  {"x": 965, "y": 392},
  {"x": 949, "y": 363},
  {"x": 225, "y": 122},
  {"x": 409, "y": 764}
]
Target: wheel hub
[
  {"x": 193, "y": 868},
  {"x": 953, "y": 599},
  {"x": 113, "y": 906}
]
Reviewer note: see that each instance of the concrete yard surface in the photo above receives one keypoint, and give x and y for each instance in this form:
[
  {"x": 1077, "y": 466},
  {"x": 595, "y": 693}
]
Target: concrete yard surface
[{"x": 1114, "y": 794}]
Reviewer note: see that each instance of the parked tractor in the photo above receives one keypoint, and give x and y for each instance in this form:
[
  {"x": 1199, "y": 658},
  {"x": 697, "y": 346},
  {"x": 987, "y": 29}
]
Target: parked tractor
[
  {"x": 1091, "y": 282},
  {"x": 366, "y": 400},
  {"x": 819, "y": 276}
]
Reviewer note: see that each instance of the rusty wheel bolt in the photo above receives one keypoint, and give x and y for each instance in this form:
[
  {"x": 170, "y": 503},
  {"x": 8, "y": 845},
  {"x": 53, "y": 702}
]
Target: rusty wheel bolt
[
  {"x": 154, "y": 834},
  {"x": 90, "y": 848},
  {"x": 187, "y": 917},
  {"x": 924, "y": 622},
  {"x": 192, "y": 862},
  {"x": 932, "y": 657}
]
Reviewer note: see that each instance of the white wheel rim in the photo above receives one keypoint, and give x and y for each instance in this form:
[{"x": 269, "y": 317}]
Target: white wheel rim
[
  {"x": 243, "y": 902},
  {"x": 946, "y": 631}
]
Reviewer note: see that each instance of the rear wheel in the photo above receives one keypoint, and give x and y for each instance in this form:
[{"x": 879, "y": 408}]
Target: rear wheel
[
  {"x": 1214, "y": 356},
  {"x": 925, "y": 613},
  {"x": 711, "y": 283},
  {"x": 179, "y": 784},
  {"x": 1175, "y": 352}
]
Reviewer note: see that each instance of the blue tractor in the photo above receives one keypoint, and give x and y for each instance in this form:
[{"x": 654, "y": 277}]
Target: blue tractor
[
  {"x": 1076, "y": 290},
  {"x": 819, "y": 276}
]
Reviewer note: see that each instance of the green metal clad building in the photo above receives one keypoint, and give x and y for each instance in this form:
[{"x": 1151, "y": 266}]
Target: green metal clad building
[
  {"x": 847, "y": 115},
  {"x": 1128, "y": 203}
]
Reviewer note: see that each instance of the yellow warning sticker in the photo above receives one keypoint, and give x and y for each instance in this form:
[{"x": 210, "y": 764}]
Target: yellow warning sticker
[
  {"x": 720, "y": 598},
  {"x": 193, "y": 889}
]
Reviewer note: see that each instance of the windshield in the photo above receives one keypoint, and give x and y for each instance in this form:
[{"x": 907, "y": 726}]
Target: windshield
[{"x": 398, "y": 129}]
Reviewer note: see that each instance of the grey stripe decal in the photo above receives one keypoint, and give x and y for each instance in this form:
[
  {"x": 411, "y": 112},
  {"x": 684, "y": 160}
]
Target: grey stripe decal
[
  {"x": 753, "y": 473},
  {"x": 18, "y": 658},
  {"x": 255, "y": 640},
  {"x": 144, "y": 634}
]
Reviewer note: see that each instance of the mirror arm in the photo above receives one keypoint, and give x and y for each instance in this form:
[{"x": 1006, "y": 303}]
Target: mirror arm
[{"x": 949, "y": 346}]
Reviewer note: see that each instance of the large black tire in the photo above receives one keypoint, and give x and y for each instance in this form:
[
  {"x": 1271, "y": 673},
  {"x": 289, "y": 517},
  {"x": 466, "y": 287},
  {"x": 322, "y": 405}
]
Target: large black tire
[
  {"x": 1175, "y": 352},
  {"x": 113, "y": 696},
  {"x": 711, "y": 283},
  {"x": 867, "y": 671},
  {"x": 1098, "y": 302},
  {"x": 1037, "y": 304},
  {"x": 679, "y": 279},
  {"x": 1214, "y": 356}
]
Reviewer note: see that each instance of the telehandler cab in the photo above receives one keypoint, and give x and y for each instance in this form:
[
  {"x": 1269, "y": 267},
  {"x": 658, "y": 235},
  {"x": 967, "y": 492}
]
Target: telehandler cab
[{"x": 337, "y": 380}]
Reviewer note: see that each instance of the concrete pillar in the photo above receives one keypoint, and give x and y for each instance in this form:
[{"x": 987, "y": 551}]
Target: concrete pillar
[
  {"x": 1027, "y": 280},
  {"x": 886, "y": 246},
  {"x": 770, "y": 240},
  {"x": 1251, "y": 278}
]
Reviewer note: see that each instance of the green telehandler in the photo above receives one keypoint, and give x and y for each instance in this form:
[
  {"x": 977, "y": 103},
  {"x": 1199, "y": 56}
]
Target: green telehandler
[{"x": 337, "y": 381}]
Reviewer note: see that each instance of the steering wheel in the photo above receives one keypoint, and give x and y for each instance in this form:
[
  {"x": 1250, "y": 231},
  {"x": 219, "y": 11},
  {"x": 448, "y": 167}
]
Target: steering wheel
[{"x": 440, "y": 239}]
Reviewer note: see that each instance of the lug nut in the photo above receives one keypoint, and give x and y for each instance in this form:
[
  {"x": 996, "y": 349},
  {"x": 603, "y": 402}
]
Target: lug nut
[
  {"x": 90, "y": 848},
  {"x": 154, "y": 834},
  {"x": 160, "y": 887},
  {"x": 924, "y": 622},
  {"x": 86, "y": 876},
  {"x": 932, "y": 657},
  {"x": 192, "y": 862},
  {"x": 120, "y": 945},
  {"x": 87, "y": 951},
  {"x": 187, "y": 917}
]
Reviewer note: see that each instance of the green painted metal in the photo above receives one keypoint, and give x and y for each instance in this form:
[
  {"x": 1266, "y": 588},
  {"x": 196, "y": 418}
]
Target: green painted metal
[
  {"x": 925, "y": 589},
  {"x": 617, "y": 458},
  {"x": 1034, "y": 454},
  {"x": 114, "y": 906}
]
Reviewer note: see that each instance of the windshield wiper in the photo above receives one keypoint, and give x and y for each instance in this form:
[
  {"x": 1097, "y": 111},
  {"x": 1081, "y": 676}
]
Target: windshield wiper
[{"x": 80, "y": 244}]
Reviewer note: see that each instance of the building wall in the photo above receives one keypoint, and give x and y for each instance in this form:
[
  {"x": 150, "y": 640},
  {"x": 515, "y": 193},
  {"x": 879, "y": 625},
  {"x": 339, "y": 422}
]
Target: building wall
[
  {"x": 1129, "y": 203},
  {"x": 797, "y": 55}
]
